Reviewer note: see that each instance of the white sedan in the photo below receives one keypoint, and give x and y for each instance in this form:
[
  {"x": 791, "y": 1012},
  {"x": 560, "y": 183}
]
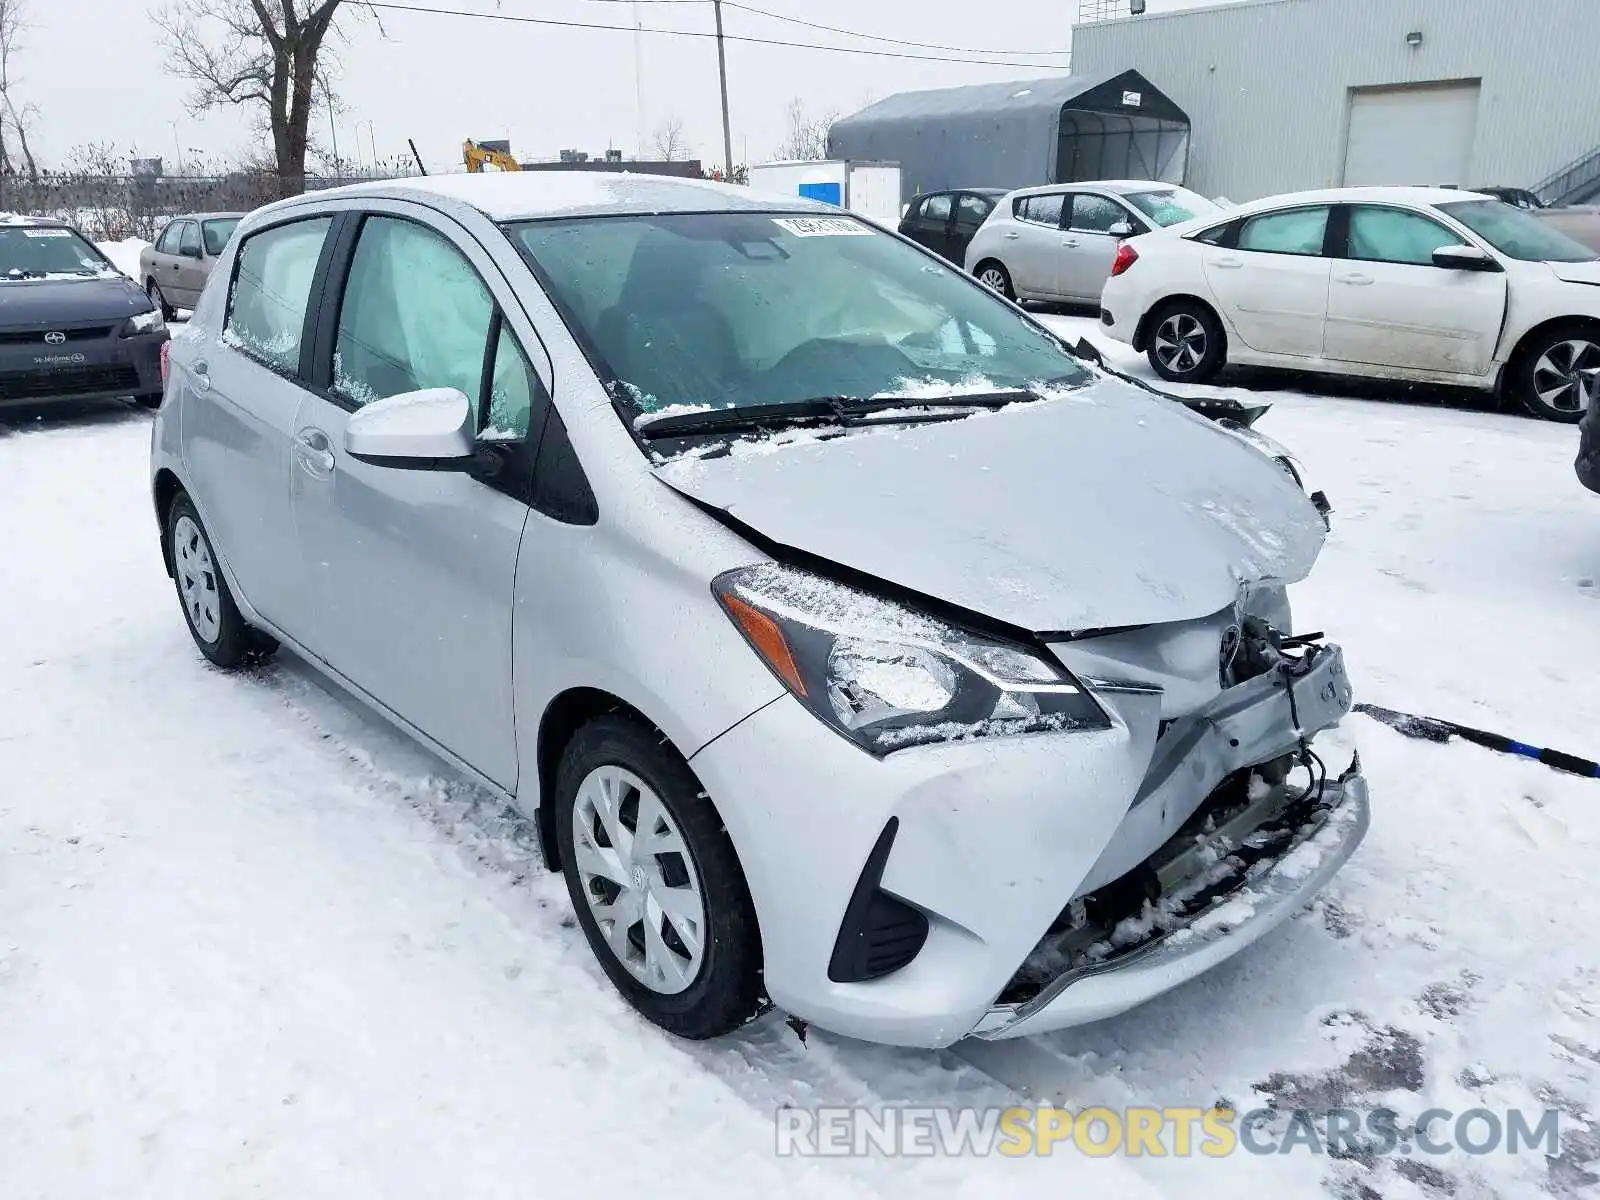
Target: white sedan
[{"x": 1419, "y": 284}]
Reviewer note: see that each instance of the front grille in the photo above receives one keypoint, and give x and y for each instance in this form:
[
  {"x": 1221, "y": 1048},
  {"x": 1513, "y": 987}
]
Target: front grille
[
  {"x": 69, "y": 381},
  {"x": 37, "y": 337}
]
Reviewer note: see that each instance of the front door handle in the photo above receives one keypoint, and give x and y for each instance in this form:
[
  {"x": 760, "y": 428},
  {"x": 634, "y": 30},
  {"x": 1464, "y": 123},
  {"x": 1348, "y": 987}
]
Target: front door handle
[
  {"x": 1355, "y": 280},
  {"x": 313, "y": 450},
  {"x": 1069, "y": 241},
  {"x": 1227, "y": 264},
  {"x": 1011, "y": 237}
]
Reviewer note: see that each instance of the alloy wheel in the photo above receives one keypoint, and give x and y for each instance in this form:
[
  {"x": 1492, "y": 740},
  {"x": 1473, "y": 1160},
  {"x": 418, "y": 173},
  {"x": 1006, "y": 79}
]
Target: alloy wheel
[
  {"x": 197, "y": 579},
  {"x": 1180, "y": 342},
  {"x": 993, "y": 277},
  {"x": 639, "y": 879},
  {"x": 1564, "y": 375}
]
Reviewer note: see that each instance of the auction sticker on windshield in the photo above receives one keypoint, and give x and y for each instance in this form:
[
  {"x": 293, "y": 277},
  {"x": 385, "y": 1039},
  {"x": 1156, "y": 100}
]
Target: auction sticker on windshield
[
  {"x": 38, "y": 233},
  {"x": 823, "y": 226}
]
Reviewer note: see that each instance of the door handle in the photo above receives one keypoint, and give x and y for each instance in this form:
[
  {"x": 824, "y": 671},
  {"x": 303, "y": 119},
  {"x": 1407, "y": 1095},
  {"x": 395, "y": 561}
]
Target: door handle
[
  {"x": 314, "y": 452},
  {"x": 1355, "y": 280},
  {"x": 1227, "y": 264},
  {"x": 202, "y": 376},
  {"x": 1011, "y": 237},
  {"x": 1069, "y": 241}
]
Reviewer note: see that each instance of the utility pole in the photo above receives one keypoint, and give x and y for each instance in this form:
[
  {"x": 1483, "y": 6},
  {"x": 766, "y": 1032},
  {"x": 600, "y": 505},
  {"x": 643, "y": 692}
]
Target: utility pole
[
  {"x": 722, "y": 72},
  {"x": 638, "y": 82}
]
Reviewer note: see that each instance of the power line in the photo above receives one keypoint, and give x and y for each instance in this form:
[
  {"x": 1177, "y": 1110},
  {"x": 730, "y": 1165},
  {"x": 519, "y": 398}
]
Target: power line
[
  {"x": 391, "y": 6},
  {"x": 855, "y": 33}
]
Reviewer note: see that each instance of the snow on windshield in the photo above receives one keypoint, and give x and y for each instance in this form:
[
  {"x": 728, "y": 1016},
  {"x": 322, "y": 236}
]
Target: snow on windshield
[{"x": 48, "y": 252}]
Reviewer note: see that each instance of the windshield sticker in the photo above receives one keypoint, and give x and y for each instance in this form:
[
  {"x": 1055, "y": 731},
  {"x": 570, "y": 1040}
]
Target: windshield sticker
[
  {"x": 823, "y": 226},
  {"x": 38, "y": 233}
]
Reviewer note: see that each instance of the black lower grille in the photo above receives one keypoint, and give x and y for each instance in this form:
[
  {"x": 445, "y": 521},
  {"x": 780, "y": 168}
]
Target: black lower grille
[
  {"x": 880, "y": 933},
  {"x": 68, "y": 381}
]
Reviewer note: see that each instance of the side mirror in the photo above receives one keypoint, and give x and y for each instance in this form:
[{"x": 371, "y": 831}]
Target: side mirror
[
  {"x": 430, "y": 430},
  {"x": 1121, "y": 229},
  {"x": 1087, "y": 351},
  {"x": 190, "y": 252},
  {"x": 1464, "y": 258}
]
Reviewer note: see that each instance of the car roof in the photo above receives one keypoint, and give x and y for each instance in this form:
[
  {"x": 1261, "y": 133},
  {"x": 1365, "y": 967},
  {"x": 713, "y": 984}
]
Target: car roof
[
  {"x": 208, "y": 216},
  {"x": 32, "y": 222},
  {"x": 529, "y": 195},
  {"x": 1120, "y": 186},
  {"x": 1358, "y": 195}
]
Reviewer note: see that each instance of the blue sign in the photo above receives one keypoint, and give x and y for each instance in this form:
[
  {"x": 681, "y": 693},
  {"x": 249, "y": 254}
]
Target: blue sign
[{"x": 828, "y": 193}]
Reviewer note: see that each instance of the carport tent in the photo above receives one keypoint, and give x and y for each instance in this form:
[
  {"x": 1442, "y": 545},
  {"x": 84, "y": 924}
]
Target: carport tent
[{"x": 1058, "y": 130}]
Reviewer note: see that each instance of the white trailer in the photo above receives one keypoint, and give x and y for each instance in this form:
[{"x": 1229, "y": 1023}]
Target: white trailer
[{"x": 869, "y": 189}]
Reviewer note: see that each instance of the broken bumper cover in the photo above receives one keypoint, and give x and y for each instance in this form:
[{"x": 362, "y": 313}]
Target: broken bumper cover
[{"x": 1244, "y": 896}]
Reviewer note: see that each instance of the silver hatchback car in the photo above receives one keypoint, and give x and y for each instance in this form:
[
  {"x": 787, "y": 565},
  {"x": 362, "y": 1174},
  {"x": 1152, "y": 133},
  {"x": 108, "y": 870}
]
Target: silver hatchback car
[{"x": 853, "y": 646}]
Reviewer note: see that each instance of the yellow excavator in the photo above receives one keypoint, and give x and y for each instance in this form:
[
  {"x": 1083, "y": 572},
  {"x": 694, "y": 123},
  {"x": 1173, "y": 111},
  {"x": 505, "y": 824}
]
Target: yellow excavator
[{"x": 479, "y": 158}]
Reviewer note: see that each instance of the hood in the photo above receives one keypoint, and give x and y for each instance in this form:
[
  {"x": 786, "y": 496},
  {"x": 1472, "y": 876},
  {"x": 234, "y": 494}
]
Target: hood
[
  {"x": 1577, "y": 272},
  {"x": 1102, "y": 508},
  {"x": 29, "y": 303}
]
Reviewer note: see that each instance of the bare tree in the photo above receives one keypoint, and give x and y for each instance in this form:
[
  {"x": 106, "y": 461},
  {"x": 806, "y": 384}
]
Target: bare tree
[
  {"x": 271, "y": 56},
  {"x": 668, "y": 142},
  {"x": 16, "y": 118},
  {"x": 807, "y": 139}
]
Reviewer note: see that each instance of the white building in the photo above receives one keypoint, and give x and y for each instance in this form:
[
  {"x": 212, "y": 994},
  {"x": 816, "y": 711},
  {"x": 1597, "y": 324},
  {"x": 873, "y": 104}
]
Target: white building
[{"x": 1290, "y": 94}]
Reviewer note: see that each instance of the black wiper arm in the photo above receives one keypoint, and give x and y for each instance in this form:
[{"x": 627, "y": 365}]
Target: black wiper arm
[{"x": 817, "y": 410}]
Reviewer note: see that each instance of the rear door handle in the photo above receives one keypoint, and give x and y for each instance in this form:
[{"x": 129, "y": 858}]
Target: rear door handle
[
  {"x": 1355, "y": 280},
  {"x": 1011, "y": 237},
  {"x": 314, "y": 451},
  {"x": 1069, "y": 241}
]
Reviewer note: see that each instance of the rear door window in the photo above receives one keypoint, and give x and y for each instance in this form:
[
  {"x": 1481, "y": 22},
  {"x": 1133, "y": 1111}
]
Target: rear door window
[
  {"x": 168, "y": 244},
  {"x": 1297, "y": 231},
  {"x": 189, "y": 242},
  {"x": 272, "y": 290},
  {"x": 1042, "y": 210},
  {"x": 935, "y": 214}
]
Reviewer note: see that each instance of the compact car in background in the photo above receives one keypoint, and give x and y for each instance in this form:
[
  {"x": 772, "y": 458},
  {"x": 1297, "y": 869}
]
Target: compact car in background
[
  {"x": 174, "y": 268},
  {"x": 946, "y": 222},
  {"x": 1419, "y": 284},
  {"x": 836, "y": 725},
  {"x": 1057, "y": 243},
  {"x": 72, "y": 327}
]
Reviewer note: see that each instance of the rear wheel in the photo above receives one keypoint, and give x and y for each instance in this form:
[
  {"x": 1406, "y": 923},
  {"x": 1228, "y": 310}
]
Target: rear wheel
[
  {"x": 992, "y": 275},
  {"x": 1186, "y": 342},
  {"x": 208, "y": 608},
  {"x": 655, "y": 881},
  {"x": 1556, "y": 375},
  {"x": 153, "y": 290}
]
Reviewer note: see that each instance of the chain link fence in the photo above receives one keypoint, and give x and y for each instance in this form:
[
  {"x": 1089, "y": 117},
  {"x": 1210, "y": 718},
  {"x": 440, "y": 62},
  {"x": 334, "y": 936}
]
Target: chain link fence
[{"x": 109, "y": 208}]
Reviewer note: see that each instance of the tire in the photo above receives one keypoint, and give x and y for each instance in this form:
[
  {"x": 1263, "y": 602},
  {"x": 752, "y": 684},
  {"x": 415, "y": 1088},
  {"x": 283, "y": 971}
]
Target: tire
[
  {"x": 992, "y": 274},
  {"x": 153, "y": 290},
  {"x": 1547, "y": 377},
  {"x": 1186, "y": 342},
  {"x": 620, "y": 764},
  {"x": 208, "y": 608}
]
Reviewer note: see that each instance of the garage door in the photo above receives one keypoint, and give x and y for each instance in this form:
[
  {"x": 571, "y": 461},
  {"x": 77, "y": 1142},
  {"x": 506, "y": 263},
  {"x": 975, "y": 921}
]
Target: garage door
[{"x": 1412, "y": 135}]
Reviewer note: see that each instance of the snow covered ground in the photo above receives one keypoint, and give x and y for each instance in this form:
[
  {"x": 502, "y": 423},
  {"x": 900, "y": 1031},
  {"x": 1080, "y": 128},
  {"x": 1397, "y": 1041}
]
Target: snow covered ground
[{"x": 254, "y": 943}]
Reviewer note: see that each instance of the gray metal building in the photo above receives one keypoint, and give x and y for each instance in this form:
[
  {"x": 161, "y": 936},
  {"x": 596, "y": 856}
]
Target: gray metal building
[
  {"x": 1289, "y": 94},
  {"x": 1011, "y": 135}
]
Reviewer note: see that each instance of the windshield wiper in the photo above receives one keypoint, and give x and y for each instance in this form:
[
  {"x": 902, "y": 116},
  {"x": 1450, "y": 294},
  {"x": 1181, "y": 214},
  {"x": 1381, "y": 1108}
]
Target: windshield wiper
[{"x": 825, "y": 410}]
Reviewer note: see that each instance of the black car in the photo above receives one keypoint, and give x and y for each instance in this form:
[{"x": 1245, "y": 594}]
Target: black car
[
  {"x": 944, "y": 222},
  {"x": 1589, "y": 448},
  {"x": 72, "y": 327}
]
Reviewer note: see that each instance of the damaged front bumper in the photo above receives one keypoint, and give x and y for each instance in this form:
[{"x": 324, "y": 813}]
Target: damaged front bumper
[{"x": 1238, "y": 869}]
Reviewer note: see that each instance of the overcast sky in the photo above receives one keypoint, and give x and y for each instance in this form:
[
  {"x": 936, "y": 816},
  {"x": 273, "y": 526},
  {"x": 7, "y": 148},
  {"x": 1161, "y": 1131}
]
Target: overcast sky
[{"x": 95, "y": 71}]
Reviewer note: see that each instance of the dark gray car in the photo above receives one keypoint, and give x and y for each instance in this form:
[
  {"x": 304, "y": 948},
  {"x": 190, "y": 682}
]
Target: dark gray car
[
  {"x": 1588, "y": 463},
  {"x": 71, "y": 325}
]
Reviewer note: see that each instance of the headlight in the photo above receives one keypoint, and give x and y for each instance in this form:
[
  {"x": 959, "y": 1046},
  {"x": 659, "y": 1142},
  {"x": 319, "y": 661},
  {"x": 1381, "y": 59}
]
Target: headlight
[
  {"x": 148, "y": 322},
  {"x": 887, "y": 677}
]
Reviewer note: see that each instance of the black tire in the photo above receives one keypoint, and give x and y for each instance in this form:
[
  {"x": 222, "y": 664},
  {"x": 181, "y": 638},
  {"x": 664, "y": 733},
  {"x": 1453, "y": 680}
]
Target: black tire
[
  {"x": 153, "y": 290},
  {"x": 1186, "y": 342},
  {"x": 992, "y": 273},
  {"x": 725, "y": 991},
  {"x": 1550, "y": 360},
  {"x": 231, "y": 643}
]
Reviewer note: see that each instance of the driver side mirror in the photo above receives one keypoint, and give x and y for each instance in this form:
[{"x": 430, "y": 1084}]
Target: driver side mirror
[
  {"x": 428, "y": 430},
  {"x": 1121, "y": 229},
  {"x": 190, "y": 252},
  {"x": 1464, "y": 258}
]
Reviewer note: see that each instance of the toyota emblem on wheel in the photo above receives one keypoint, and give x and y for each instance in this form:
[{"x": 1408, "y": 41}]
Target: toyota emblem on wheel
[{"x": 55, "y": 339}]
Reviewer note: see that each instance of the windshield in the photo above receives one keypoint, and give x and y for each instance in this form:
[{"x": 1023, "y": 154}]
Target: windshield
[
  {"x": 726, "y": 310},
  {"x": 217, "y": 234},
  {"x": 1515, "y": 233},
  {"x": 40, "y": 252},
  {"x": 1172, "y": 206}
]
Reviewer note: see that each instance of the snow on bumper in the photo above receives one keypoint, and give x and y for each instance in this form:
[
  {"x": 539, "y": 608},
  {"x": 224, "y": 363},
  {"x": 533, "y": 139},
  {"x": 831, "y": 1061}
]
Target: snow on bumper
[{"x": 1146, "y": 958}]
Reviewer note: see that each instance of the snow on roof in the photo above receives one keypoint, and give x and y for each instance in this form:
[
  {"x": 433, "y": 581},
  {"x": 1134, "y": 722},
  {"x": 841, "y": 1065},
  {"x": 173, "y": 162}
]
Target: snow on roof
[{"x": 513, "y": 195}]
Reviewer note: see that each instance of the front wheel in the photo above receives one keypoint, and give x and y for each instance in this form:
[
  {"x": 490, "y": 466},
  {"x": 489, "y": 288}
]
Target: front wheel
[
  {"x": 1186, "y": 342},
  {"x": 995, "y": 277},
  {"x": 1555, "y": 377},
  {"x": 655, "y": 881},
  {"x": 208, "y": 608},
  {"x": 153, "y": 290}
]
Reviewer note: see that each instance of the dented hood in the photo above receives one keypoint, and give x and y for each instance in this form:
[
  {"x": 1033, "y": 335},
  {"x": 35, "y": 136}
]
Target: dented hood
[{"x": 1103, "y": 507}]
